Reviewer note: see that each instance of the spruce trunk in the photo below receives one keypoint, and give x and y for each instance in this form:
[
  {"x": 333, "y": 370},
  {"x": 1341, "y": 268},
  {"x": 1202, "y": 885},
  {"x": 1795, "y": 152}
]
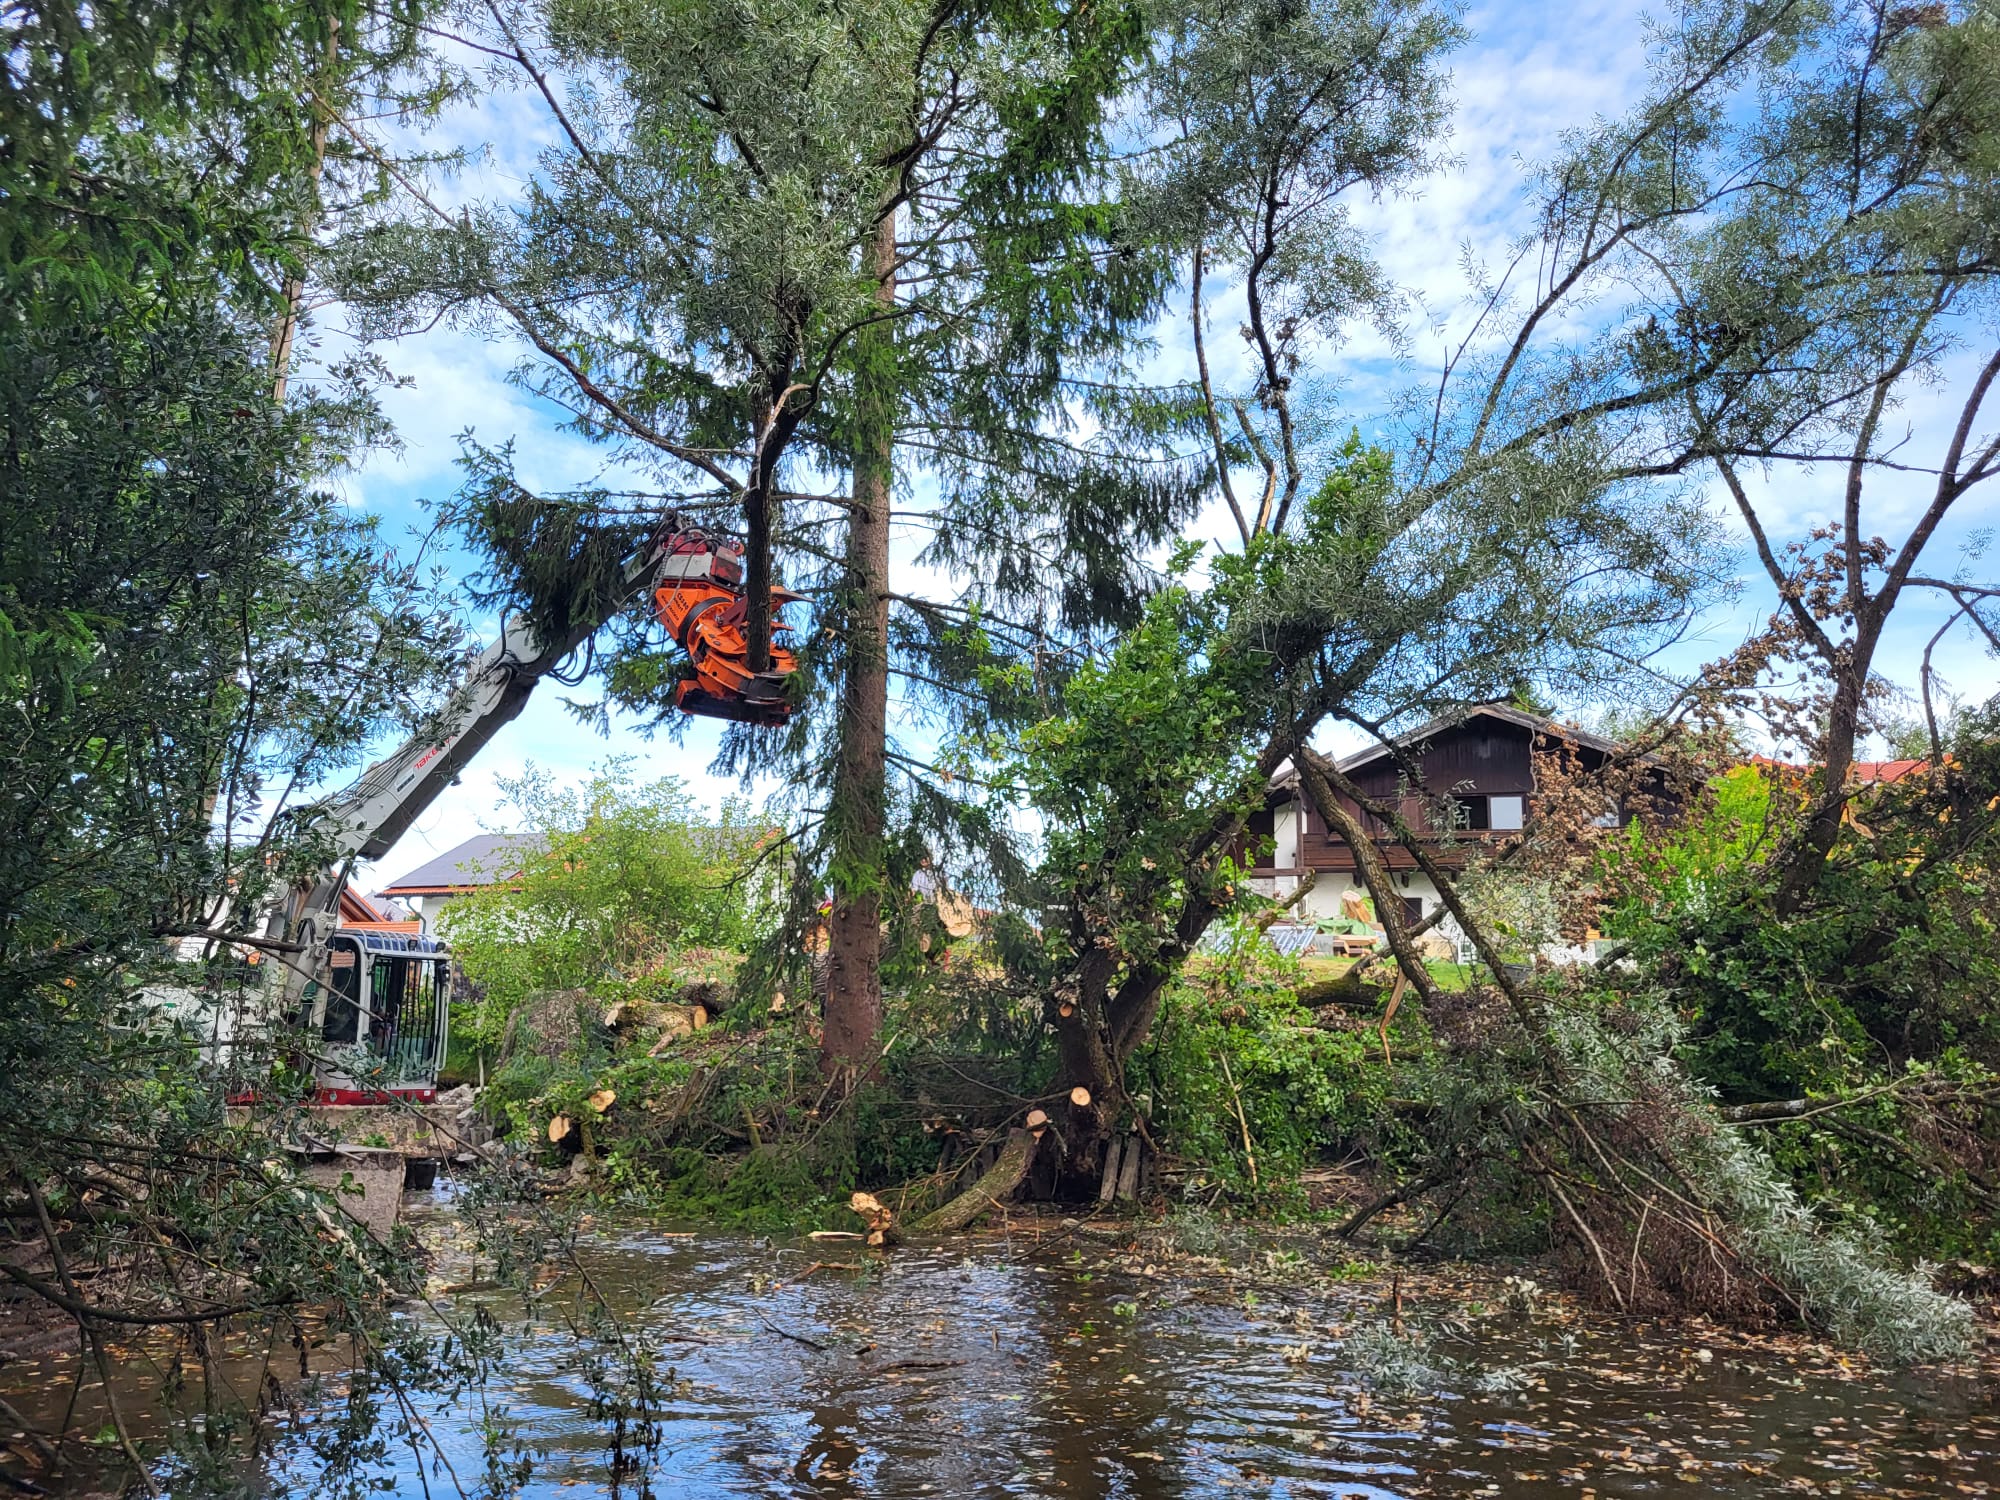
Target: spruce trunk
[{"x": 854, "y": 926}]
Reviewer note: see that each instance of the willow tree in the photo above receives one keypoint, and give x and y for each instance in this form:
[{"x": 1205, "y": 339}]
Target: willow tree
[
  {"x": 194, "y": 630},
  {"x": 1859, "y": 237},
  {"x": 1515, "y": 519},
  {"x": 1706, "y": 287},
  {"x": 778, "y": 246}
]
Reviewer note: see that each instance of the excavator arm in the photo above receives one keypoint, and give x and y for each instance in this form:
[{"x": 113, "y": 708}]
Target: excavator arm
[{"x": 697, "y": 584}]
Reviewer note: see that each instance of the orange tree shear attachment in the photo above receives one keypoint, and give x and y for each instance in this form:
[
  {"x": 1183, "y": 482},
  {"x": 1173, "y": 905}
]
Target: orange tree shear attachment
[{"x": 700, "y": 600}]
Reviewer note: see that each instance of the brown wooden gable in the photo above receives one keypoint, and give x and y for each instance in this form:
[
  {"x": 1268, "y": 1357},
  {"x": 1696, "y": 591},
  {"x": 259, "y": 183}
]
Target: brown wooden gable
[{"x": 1489, "y": 753}]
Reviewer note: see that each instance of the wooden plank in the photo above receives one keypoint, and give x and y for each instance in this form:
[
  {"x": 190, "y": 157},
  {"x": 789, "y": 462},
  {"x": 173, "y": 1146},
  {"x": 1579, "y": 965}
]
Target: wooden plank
[
  {"x": 1128, "y": 1174},
  {"x": 1112, "y": 1150}
]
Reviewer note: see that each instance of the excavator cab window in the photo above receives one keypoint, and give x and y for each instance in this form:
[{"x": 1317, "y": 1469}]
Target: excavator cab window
[
  {"x": 406, "y": 1011},
  {"x": 342, "y": 1022}
]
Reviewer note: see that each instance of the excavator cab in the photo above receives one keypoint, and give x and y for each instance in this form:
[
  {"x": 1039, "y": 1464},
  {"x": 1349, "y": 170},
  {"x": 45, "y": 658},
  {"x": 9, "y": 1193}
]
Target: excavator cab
[
  {"x": 700, "y": 599},
  {"x": 379, "y": 1015}
]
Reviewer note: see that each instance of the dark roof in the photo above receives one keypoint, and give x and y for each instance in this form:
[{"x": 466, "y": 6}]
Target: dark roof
[
  {"x": 486, "y": 859},
  {"x": 1515, "y": 716}
]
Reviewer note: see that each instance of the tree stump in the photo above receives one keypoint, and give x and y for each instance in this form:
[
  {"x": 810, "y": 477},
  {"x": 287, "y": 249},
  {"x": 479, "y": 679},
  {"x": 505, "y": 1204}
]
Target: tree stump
[{"x": 881, "y": 1221}]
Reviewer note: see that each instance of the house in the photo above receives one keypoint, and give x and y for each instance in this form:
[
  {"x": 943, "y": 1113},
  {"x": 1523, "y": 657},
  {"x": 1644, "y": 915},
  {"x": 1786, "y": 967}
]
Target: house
[
  {"x": 487, "y": 859},
  {"x": 377, "y": 913},
  {"x": 1483, "y": 759}
]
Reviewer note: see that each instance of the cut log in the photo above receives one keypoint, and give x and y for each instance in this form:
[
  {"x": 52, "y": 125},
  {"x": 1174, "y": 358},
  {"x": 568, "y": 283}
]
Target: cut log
[
  {"x": 1113, "y": 1149},
  {"x": 876, "y": 1214},
  {"x": 1128, "y": 1174},
  {"x": 558, "y": 1127},
  {"x": 997, "y": 1185},
  {"x": 1079, "y": 1097},
  {"x": 1395, "y": 999},
  {"x": 603, "y": 1099},
  {"x": 1038, "y": 1119}
]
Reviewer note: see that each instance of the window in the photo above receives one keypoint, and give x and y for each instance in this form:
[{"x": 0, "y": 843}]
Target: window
[
  {"x": 1482, "y": 814},
  {"x": 342, "y": 1021}
]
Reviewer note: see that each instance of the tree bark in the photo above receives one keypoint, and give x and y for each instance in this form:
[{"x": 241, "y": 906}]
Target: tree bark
[
  {"x": 284, "y": 334},
  {"x": 1805, "y": 862},
  {"x": 997, "y": 1185},
  {"x": 1099, "y": 1025},
  {"x": 854, "y": 926},
  {"x": 757, "y": 573}
]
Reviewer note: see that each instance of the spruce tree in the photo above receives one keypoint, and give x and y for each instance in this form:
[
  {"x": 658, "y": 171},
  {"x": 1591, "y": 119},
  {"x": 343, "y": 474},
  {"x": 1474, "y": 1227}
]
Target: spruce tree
[{"x": 775, "y": 247}]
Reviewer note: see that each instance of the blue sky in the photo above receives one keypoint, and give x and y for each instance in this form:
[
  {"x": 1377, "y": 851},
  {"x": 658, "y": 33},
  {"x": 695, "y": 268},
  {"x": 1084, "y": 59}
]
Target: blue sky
[{"x": 1529, "y": 72}]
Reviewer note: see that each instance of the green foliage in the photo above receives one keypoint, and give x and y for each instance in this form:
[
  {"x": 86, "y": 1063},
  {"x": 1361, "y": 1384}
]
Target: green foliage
[
  {"x": 1230, "y": 1035},
  {"x": 618, "y": 890},
  {"x": 1893, "y": 958},
  {"x": 1149, "y": 744},
  {"x": 1877, "y": 990},
  {"x": 1271, "y": 110},
  {"x": 195, "y": 632},
  {"x": 150, "y": 139}
]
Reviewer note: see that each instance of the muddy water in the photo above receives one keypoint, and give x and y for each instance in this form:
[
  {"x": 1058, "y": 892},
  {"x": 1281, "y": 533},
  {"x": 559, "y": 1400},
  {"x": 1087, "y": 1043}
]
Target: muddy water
[{"x": 1049, "y": 1364}]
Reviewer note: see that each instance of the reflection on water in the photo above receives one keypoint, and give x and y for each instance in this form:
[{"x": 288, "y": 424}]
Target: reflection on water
[{"x": 1063, "y": 1370}]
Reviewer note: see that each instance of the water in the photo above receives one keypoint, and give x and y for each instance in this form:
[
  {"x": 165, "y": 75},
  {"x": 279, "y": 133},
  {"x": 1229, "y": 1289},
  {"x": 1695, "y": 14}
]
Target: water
[{"x": 1047, "y": 1364}]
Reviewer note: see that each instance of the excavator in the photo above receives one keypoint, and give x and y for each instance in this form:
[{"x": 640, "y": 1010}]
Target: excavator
[{"x": 375, "y": 994}]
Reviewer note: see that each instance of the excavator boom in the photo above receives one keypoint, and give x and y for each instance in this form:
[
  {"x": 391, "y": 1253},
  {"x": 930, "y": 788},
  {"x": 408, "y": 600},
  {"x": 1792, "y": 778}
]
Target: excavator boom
[{"x": 385, "y": 994}]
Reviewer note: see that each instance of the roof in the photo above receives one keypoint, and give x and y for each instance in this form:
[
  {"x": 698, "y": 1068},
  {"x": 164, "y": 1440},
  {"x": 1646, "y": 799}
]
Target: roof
[
  {"x": 1885, "y": 770},
  {"x": 1516, "y": 716},
  {"x": 1860, "y": 773},
  {"x": 371, "y": 910},
  {"x": 483, "y": 860}
]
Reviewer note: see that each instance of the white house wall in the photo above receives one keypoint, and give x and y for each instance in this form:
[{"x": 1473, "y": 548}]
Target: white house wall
[
  {"x": 1323, "y": 900},
  {"x": 1285, "y": 835}
]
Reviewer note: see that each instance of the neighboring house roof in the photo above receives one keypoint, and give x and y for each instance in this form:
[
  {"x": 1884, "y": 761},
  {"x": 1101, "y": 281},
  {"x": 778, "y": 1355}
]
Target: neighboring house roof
[
  {"x": 1861, "y": 773},
  {"x": 1880, "y": 771},
  {"x": 1515, "y": 716},
  {"x": 369, "y": 910},
  {"x": 485, "y": 860}
]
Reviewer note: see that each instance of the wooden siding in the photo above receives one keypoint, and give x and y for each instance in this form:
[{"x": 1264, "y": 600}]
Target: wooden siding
[{"x": 1484, "y": 756}]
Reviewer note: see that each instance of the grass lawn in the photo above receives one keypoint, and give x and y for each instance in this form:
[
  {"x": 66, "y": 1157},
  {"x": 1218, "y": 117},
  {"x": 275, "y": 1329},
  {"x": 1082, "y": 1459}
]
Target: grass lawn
[{"x": 1320, "y": 967}]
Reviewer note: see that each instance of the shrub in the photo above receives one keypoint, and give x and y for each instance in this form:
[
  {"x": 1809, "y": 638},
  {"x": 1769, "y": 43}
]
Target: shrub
[{"x": 1230, "y": 1035}]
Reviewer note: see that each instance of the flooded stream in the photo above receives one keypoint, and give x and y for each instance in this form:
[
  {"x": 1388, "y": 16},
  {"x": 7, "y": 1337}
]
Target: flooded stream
[{"x": 1051, "y": 1363}]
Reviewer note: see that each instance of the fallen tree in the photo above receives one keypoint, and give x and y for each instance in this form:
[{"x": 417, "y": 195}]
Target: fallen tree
[{"x": 995, "y": 1186}]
